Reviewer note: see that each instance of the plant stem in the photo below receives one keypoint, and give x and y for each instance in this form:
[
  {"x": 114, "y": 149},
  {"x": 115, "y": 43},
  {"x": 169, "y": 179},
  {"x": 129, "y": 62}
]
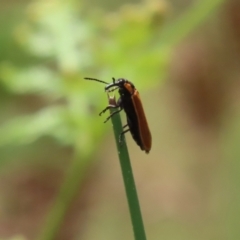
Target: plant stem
[{"x": 128, "y": 178}]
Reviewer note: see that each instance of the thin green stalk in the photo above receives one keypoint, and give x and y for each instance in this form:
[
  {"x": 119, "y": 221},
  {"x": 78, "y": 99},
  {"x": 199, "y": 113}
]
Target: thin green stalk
[{"x": 128, "y": 178}]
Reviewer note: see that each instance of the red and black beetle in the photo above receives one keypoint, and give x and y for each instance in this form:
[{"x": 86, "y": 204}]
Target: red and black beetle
[{"x": 130, "y": 102}]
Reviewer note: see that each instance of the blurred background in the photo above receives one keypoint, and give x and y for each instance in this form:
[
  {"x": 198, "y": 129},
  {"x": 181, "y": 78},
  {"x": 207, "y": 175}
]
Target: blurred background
[{"x": 59, "y": 173}]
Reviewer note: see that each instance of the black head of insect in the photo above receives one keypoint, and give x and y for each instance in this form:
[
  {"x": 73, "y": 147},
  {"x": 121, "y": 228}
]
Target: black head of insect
[
  {"x": 125, "y": 87},
  {"x": 122, "y": 84}
]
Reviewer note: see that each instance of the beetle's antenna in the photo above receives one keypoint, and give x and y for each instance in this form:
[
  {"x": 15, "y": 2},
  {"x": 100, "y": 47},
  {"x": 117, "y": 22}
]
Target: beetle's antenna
[{"x": 97, "y": 80}]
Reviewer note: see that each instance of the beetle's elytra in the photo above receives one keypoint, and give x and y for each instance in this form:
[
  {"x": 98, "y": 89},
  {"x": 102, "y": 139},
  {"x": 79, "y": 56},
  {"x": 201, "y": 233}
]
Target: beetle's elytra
[{"x": 130, "y": 102}]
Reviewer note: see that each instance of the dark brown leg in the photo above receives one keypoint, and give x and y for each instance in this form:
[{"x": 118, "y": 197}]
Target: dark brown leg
[
  {"x": 112, "y": 114},
  {"x": 121, "y": 134},
  {"x": 108, "y": 107}
]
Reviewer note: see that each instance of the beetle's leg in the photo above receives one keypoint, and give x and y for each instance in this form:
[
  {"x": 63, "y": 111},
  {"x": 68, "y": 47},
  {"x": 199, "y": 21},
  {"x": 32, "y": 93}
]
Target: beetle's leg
[
  {"x": 125, "y": 125},
  {"x": 112, "y": 114},
  {"x": 108, "y": 107},
  {"x": 121, "y": 134},
  {"x": 118, "y": 105}
]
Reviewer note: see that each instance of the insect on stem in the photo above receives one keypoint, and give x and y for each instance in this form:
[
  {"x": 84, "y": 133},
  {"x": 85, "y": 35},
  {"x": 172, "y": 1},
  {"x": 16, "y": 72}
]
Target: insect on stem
[{"x": 130, "y": 102}]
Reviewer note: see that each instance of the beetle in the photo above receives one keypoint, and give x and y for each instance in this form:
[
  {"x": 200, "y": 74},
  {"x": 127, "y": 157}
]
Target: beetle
[{"x": 130, "y": 102}]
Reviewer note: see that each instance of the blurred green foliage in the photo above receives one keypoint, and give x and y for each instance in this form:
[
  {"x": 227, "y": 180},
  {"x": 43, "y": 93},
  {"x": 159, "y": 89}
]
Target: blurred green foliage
[
  {"x": 57, "y": 44},
  {"x": 69, "y": 47},
  {"x": 67, "y": 44}
]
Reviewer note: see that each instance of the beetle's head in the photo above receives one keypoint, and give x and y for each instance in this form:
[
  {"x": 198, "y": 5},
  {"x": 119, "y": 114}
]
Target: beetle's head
[{"x": 119, "y": 83}]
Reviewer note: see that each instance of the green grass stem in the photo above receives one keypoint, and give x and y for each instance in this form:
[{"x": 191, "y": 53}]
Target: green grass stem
[{"x": 130, "y": 188}]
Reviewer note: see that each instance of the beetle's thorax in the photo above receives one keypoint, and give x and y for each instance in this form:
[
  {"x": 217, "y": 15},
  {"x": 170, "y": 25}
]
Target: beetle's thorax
[{"x": 125, "y": 86}]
